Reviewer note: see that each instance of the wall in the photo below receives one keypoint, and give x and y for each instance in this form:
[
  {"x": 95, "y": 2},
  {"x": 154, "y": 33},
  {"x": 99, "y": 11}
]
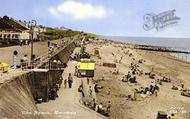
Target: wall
[
  {"x": 16, "y": 99},
  {"x": 17, "y": 95}
]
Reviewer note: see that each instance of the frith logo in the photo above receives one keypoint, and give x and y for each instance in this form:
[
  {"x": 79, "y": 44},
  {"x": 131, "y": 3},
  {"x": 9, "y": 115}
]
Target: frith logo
[{"x": 160, "y": 21}]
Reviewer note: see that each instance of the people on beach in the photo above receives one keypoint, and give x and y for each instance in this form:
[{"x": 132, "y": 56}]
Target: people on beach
[
  {"x": 182, "y": 85},
  {"x": 102, "y": 79},
  {"x": 116, "y": 71},
  {"x": 104, "y": 110},
  {"x": 100, "y": 108},
  {"x": 70, "y": 80},
  {"x": 108, "y": 108},
  {"x": 123, "y": 79},
  {"x": 133, "y": 79},
  {"x": 128, "y": 75},
  {"x": 94, "y": 104},
  {"x": 96, "y": 88}
]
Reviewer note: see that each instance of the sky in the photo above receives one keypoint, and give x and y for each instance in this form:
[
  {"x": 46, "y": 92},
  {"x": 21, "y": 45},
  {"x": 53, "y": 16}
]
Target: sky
[{"x": 103, "y": 17}]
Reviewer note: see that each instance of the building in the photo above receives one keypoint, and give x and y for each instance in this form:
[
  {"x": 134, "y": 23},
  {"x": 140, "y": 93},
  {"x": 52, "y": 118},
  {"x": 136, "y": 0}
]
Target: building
[{"x": 11, "y": 29}]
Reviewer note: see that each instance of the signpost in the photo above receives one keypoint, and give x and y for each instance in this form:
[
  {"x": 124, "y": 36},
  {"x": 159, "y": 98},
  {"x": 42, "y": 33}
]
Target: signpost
[
  {"x": 34, "y": 36},
  {"x": 15, "y": 59}
]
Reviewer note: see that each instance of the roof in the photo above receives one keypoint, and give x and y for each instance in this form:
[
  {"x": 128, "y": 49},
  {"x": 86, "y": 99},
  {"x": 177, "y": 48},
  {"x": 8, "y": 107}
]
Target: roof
[
  {"x": 86, "y": 66},
  {"x": 86, "y": 60},
  {"x": 8, "y": 24},
  {"x": 40, "y": 70}
]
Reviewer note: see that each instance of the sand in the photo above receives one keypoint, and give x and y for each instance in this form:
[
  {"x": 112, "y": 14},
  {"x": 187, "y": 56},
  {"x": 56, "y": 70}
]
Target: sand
[{"x": 163, "y": 64}]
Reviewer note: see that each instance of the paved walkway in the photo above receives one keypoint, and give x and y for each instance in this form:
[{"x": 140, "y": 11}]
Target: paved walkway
[
  {"x": 6, "y": 77},
  {"x": 67, "y": 106}
]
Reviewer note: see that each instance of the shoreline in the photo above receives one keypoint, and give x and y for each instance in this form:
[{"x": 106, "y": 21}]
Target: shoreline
[{"x": 174, "y": 57}]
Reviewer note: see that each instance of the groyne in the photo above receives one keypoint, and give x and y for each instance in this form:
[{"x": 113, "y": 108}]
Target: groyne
[{"x": 160, "y": 49}]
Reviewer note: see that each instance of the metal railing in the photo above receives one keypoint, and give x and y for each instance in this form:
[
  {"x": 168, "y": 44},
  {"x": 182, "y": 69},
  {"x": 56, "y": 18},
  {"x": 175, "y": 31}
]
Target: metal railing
[{"x": 39, "y": 61}]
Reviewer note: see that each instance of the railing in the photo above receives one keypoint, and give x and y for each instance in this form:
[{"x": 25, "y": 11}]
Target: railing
[{"x": 45, "y": 58}]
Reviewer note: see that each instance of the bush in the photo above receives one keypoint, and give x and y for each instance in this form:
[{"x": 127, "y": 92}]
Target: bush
[
  {"x": 14, "y": 42},
  {"x": 5, "y": 43}
]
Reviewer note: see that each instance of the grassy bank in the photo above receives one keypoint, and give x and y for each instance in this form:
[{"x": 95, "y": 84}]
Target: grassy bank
[
  {"x": 50, "y": 34},
  {"x": 53, "y": 34}
]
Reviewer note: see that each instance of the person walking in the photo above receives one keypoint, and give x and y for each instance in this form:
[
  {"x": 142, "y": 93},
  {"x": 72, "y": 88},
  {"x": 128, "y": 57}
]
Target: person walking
[
  {"x": 70, "y": 80},
  {"x": 88, "y": 80},
  {"x": 81, "y": 94}
]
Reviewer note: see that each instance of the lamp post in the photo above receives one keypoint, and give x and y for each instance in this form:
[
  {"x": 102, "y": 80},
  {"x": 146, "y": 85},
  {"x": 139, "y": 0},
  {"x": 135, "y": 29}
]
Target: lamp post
[{"x": 33, "y": 24}]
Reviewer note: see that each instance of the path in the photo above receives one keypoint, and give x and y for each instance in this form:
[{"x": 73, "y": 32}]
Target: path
[{"x": 67, "y": 105}]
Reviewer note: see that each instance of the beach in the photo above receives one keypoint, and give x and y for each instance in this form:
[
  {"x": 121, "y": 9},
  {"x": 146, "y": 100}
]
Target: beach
[
  {"x": 123, "y": 55},
  {"x": 116, "y": 91}
]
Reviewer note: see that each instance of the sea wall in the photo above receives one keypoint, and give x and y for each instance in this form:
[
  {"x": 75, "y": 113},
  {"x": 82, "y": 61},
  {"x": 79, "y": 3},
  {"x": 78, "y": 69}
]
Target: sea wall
[
  {"x": 64, "y": 55},
  {"x": 16, "y": 99},
  {"x": 18, "y": 94}
]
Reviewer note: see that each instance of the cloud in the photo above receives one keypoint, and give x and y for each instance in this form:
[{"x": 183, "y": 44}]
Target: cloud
[{"x": 79, "y": 10}]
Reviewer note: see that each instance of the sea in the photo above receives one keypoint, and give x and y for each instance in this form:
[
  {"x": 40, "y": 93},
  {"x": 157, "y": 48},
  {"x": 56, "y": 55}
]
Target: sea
[{"x": 182, "y": 44}]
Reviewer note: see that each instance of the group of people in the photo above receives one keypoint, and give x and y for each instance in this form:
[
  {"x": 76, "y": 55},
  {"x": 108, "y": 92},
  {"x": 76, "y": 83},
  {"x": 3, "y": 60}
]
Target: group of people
[
  {"x": 116, "y": 71},
  {"x": 25, "y": 42},
  {"x": 152, "y": 89},
  {"x": 63, "y": 42},
  {"x": 103, "y": 109},
  {"x": 53, "y": 92},
  {"x": 100, "y": 107},
  {"x": 129, "y": 78},
  {"x": 56, "y": 64},
  {"x": 51, "y": 49},
  {"x": 24, "y": 62},
  {"x": 69, "y": 80},
  {"x": 92, "y": 102},
  {"x": 135, "y": 69}
]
